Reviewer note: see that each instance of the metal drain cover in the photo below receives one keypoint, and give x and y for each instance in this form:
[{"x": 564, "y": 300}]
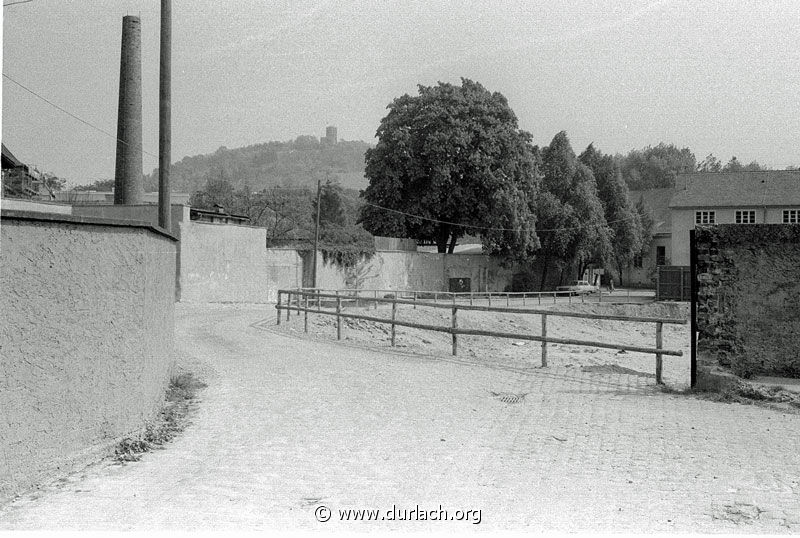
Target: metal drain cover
[{"x": 509, "y": 397}]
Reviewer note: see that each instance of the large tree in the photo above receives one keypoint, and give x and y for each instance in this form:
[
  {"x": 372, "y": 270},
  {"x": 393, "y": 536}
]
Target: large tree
[
  {"x": 620, "y": 213},
  {"x": 452, "y": 161}
]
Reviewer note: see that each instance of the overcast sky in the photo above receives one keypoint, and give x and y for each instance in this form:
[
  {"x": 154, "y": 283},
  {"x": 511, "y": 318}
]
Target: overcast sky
[{"x": 716, "y": 76}]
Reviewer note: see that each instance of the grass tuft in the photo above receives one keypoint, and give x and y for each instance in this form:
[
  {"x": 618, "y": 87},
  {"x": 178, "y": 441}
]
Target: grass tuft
[{"x": 171, "y": 419}]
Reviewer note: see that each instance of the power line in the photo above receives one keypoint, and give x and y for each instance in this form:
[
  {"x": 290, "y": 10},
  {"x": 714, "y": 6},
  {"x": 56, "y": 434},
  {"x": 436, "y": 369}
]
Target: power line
[
  {"x": 70, "y": 114},
  {"x": 490, "y": 228}
]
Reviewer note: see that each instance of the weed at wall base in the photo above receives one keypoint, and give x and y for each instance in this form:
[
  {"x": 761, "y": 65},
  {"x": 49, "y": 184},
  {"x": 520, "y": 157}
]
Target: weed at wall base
[{"x": 170, "y": 421}]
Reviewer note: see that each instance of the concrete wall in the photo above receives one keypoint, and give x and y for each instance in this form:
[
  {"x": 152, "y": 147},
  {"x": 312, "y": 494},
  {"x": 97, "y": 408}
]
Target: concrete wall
[
  {"x": 223, "y": 263},
  {"x": 416, "y": 271},
  {"x": 87, "y": 335},
  {"x": 748, "y": 308},
  {"x": 15, "y": 204}
]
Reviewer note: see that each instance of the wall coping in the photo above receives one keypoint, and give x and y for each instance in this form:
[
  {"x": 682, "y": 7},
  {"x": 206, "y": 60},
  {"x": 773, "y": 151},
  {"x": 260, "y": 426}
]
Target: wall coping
[{"x": 76, "y": 219}]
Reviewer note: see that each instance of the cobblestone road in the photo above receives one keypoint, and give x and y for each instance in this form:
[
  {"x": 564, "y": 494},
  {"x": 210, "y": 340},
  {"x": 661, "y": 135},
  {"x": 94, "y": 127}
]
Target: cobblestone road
[{"x": 288, "y": 425}]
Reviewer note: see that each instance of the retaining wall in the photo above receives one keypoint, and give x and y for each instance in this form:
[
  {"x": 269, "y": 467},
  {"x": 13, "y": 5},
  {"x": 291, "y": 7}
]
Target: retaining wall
[
  {"x": 748, "y": 309},
  {"x": 86, "y": 340}
]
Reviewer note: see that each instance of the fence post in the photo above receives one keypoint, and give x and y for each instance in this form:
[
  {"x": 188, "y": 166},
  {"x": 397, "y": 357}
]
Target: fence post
[
  {"x": 489, "y": 294},
  {"x": 523, "y": 298},
  {"x": 539, "y": 295},
  {"x": 436, "y": 297},
  {"x": 544, "y": 340},
  {"x": 319, "y": 299},
  {"x": 376, "y": 299},
  {"x": 470, "y": 297},
  {"x": 305, "y": 318},
  {"x": 659, "y": 342},
  {"x": 554, "y": 297},
  {"x": 394, "y": 314},
  {"x": 508, "y": 299},
  {"x": 288, "y": 304},
  {"x": 415, "y": 300},
  {"x": 278, "y": 307},
  {"x": 455, "y": 336},
  {"x": 339, "y": 318}
]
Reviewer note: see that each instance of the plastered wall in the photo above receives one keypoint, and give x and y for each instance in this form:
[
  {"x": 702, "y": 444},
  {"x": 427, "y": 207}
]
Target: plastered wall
[{"x": 86, "y": 342}]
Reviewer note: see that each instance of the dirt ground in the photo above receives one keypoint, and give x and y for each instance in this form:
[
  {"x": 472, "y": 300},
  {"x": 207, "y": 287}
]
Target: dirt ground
[{"x": 517, "y": 353}]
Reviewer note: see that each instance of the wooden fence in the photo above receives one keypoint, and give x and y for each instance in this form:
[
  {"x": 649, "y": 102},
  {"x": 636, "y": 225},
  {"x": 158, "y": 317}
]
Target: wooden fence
[
  {"x": 520, "y": 297},
  {"x": 311, "y": 301}
]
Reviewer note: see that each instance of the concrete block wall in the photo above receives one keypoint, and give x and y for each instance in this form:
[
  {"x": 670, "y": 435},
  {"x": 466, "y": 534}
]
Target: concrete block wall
[
  {"x": 86, "y": 340},
  {"x": 748, "y": 308}
]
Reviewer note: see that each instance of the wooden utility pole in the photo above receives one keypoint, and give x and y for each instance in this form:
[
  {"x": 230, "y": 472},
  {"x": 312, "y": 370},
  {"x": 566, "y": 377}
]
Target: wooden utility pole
[
  {"x": 316, "y": 235},
  {"x": 164, "y": 116}
]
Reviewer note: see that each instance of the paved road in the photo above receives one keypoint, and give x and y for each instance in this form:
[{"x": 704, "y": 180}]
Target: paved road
[{"x": 289, "y": 425}]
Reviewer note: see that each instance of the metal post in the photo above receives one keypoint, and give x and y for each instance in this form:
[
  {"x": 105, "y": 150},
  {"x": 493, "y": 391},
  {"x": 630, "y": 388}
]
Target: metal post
[
  {"x": 693, "y": 307},
  {"x": 288, "y": 304},
  {"x": 658, "y": 355},
  {"x": 470, "y": 297},
  {"x": 415, "y": 300},
  {"x": 164, "y": 116},
  {"x": 394, "y": 315},
  {"x": 554, "y": 297},
  {"x": 523, "y": 298},
  {"x": 376, "y": 299},
  {"x": 338, "y": 318},
  {"x": 540, "y": 297},
  {"x": 278, "y": 307},
  {"x": 544, "y": 340},
  {"x": 305, "y": 318},
  {"x": 508, "y": 299},
  {"x": 489, "y": 294},
  {"x": 455, "y": 336}
]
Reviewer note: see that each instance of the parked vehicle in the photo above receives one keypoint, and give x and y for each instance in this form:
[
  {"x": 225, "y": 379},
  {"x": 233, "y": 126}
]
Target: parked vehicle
[{"x": 578, "y": 287}]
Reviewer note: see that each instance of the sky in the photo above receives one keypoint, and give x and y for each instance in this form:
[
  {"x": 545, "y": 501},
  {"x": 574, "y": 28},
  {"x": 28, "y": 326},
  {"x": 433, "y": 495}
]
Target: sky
[{"x": 717, "y": 76}]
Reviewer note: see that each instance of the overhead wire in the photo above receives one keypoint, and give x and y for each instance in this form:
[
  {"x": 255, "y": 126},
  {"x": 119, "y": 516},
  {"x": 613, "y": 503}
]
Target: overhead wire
[{"x": 74, "y": 116}]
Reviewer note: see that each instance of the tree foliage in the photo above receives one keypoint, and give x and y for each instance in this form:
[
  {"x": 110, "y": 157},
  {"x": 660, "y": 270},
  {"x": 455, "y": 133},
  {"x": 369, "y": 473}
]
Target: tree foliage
[
  {"x": 455, "y": 156},
  {"x": 572, "y": 223},
  {"x": 656, "y": 167},
  {"x": 620, "y": 214}
]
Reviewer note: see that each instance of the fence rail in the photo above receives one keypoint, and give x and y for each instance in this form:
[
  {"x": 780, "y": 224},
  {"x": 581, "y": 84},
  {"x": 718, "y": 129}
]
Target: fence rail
[
  {"x": 301, "y": 304},
  {"x": 471, "y": 296}
]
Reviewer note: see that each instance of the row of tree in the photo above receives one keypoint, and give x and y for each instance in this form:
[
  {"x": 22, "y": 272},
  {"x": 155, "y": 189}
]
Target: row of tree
[{"x": 452, "y": 161}]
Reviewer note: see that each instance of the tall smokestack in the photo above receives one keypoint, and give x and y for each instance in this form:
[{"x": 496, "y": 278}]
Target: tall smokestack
[
  {"x": 165, "y": 116},
  {"x": 128, "y": 187}
]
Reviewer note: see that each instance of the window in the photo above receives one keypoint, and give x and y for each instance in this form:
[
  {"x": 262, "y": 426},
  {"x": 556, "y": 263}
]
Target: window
[
  {"x": 637, "y": 260},
  {"x": 791, "y": 216},
  {"x": 705, "y": 217},
  {"x": 747, "y": 216},
  {"x": 661, "y": 255}
]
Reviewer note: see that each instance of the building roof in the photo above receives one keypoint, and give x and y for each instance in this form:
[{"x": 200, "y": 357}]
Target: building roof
[
  {"x": 9, "y": 161},
  {"x": 657, "y": 201},
  {"x": 737, "y": 189}
]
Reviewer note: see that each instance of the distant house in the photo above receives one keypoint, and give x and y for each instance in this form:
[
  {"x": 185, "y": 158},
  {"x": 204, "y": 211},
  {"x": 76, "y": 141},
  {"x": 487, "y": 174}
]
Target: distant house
[
  {"x": 763, "y": 197},
  {"x": 19, "y": 180},
  {"x": 219, "y": 215},
  {"x": 656, "y": 201}
]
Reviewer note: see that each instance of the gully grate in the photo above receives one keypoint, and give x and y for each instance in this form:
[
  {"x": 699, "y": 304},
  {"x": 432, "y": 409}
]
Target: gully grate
[{"x": 509, "y": 397}]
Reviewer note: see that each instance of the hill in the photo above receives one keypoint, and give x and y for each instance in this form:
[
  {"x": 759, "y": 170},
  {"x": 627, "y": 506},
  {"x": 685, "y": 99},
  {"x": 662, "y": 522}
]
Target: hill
[{"x": 297, "y": 163}]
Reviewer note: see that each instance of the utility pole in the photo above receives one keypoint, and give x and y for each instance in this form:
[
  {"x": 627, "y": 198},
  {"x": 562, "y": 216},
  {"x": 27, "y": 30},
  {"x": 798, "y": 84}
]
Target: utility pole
[
  {"x": 164, "y": 117},
  {"x": 316, "y": 233}
]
